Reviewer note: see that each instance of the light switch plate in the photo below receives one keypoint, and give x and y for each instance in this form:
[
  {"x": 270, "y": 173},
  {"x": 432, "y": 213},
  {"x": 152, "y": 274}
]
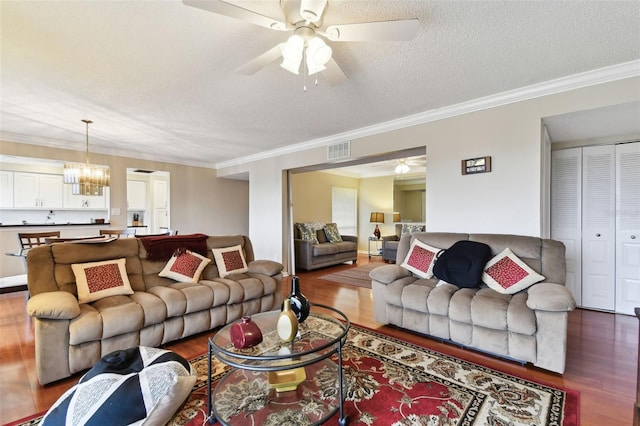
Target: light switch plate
[{"x": 115, "y": 211}]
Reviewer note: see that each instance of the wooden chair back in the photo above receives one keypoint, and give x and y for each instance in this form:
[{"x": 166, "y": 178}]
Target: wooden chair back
[
  {"x": 34, "y": 239},
  {"x": 118, "y": 232}
]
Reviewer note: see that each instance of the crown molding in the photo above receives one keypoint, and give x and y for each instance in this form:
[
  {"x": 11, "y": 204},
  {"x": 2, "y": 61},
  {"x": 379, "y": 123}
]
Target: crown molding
[{"x": 559, "y": 85}]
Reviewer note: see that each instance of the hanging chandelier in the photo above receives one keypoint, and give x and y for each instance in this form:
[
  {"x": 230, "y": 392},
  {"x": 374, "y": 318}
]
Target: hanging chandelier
[{"x": 84, "y": 178}]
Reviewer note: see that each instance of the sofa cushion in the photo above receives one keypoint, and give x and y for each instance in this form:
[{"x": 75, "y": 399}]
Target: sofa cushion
[
  {"x": 230, "y": 260},
  {"x": 507, "y": 274},
  {"x": 345, "y": 246},
  {"x": 53, "y": 305},
  {"x": 185, "y": 266},
  {"x": 324, "y": 249},
  {"x": 307, "y": 232},
  {"x": 332, "y": 233},
  {"x": 420, "y": 259},
  {"x": 95, "y": 280},
  {"x": 265, "y": 267}
]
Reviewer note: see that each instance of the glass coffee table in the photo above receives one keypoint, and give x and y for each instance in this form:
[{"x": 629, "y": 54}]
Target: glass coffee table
[{"x": 281, "y": 383}]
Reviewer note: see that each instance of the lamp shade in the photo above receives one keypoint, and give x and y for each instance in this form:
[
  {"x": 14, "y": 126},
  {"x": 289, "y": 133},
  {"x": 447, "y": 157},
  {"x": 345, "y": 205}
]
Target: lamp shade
[
  {"x": 376, "y": 217},
  {"x": 396, "y": 216}
]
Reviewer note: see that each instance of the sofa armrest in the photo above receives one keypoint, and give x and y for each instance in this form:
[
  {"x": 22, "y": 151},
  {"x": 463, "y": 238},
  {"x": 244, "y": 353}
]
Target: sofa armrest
[
  {"x": 265, "y": 267},
  {"x": 550, "y": 297},
  {"x": 388, "y": 273},
  {"x": 390, "y": 238},
  {"x": 53, "y": 305},
  {"x": 351, "y": 238}
]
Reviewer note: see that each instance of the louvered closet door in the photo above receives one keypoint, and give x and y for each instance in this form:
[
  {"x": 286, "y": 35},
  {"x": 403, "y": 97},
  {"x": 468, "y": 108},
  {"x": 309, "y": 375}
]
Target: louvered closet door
[
  {"x": 627, "y": 227},
  {"x": 598, "y": 227},
  {"x": 566, "y": 212}
]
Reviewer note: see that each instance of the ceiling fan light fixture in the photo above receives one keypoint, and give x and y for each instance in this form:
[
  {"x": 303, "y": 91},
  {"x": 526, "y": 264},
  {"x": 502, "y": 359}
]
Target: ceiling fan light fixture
[
  {"x": 314, "y": 68},
  {"x": 292, "y": 54},
  {"x": 292, "y": 50},
  {"x": 291, "y": 66},
  {"x": 318, "y": 52},
  {"x": 402, "y": 169}
]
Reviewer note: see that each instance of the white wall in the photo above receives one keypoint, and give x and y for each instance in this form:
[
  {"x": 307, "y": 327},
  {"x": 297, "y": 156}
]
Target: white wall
[{"x": 507, "y": 200}]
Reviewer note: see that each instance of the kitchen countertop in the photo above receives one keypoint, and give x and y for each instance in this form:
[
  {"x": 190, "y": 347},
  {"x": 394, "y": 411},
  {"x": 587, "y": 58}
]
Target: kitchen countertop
[{"x": 33, "y": 225}]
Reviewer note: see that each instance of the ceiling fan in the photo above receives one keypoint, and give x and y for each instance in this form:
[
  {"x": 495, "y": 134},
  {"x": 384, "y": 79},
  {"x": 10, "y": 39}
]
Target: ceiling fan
[
  {"x": 306, "y": 47},
  {"x": 403, "y": 165}
]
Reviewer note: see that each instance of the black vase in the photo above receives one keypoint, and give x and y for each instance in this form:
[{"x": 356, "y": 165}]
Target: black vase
[{"x": 299, "y": 304}]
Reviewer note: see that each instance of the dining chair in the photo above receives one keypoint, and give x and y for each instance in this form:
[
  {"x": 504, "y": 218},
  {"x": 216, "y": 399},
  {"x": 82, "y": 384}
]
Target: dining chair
[
  {"x": 160, "y": 234},
  {"x": 29, "y": 240},
  {"x": 118, "y": 232}
]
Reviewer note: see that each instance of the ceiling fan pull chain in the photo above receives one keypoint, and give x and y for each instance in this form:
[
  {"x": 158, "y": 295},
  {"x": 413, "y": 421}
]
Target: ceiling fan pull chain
[{"x": 304, "y": 67}]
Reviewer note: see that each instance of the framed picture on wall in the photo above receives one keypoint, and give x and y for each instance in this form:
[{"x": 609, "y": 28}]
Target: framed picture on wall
[{"x": 476, "y": 165}]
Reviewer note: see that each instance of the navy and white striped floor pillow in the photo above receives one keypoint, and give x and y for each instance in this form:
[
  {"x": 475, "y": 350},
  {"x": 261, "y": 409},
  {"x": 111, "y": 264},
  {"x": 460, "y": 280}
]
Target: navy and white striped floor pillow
[{"x": 136, "y": 386}]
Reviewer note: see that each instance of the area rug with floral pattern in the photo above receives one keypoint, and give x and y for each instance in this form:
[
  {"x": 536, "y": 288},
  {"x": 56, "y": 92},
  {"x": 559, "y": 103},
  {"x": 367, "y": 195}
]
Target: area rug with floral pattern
[{"x": 392, "y": 382}]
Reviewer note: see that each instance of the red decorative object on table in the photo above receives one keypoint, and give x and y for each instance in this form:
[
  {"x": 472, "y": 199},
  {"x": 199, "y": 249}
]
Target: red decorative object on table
[{"x": 245, "y": 333}]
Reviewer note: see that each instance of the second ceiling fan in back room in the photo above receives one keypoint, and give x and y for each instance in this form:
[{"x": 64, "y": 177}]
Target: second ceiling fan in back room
[{"x": 306, "y": 50}]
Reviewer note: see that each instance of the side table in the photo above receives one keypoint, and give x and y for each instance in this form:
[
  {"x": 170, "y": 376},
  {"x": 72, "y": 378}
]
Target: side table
[{"x": 377, "y": 246}]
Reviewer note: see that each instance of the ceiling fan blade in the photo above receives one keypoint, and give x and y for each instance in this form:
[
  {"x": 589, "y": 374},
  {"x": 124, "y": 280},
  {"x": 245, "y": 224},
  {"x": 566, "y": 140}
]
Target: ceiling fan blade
[
  {"x": 261, "y": 61},
  {"x": 333, "y": 74},
  {"x": 374, "y": 31},
  {"x": 226, "y": 9}
]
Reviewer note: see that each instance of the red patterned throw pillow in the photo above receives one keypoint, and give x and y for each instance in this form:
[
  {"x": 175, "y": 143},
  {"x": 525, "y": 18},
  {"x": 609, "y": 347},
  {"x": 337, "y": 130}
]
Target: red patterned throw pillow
[
  {"x": 230, "y": 260},
  {"x": 185, "y": 266},
  {"x": 420, "y": 259},
  {"x": 506, "y": 273},
  {"x": 97, "y": 280}
]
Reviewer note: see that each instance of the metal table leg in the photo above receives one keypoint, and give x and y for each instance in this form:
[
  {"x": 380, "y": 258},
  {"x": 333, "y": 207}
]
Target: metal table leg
[
  {"x": 212, "y": 418},
  {"x": 344, "y": 420}
]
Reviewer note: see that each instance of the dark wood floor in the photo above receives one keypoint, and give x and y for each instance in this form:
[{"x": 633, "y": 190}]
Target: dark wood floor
[{"x": 601, "y": 364}]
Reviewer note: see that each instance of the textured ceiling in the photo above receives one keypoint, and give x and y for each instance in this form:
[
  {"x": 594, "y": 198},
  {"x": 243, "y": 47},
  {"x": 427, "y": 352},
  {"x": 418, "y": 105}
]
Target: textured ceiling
[{"x": 157, "y": 77}]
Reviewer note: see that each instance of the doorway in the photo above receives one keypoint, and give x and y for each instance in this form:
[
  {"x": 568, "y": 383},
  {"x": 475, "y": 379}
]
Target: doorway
[{"x": 148, "y": 201}]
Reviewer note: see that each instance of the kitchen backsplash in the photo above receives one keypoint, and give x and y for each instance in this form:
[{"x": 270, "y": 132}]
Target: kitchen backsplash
[{"x": 16, "y": 217}]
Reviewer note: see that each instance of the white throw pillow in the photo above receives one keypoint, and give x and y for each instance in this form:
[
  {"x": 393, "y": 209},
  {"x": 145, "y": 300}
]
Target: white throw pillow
[
  {"x": 230, "y": 260},
  {"x": 96, "y": 280},
  {"x": 506, "y": 273},
  {"x": 420, "y": 259},
  {"x": 185, "y": 267}
]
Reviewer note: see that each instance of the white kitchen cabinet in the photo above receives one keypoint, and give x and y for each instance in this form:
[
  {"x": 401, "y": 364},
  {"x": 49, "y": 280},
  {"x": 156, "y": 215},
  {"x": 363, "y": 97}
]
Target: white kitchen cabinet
[
  {"x": 6, "y": 189},
  {"x": 37, "y": 190},
  {"x": 136, "y": 195},
  {"x": 82, "y": 202}
]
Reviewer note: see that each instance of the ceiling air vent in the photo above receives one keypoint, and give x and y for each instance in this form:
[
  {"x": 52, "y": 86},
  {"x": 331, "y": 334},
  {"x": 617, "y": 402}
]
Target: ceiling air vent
[{"x": 339, "y": 150}]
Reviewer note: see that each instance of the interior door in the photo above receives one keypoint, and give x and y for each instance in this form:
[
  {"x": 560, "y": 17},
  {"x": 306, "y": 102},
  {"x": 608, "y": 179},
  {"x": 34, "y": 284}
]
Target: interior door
[
  {"x": 566, "y": 213},
  {"x": 627, "y": 227},
  {"x": 598, "y": 227}
]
